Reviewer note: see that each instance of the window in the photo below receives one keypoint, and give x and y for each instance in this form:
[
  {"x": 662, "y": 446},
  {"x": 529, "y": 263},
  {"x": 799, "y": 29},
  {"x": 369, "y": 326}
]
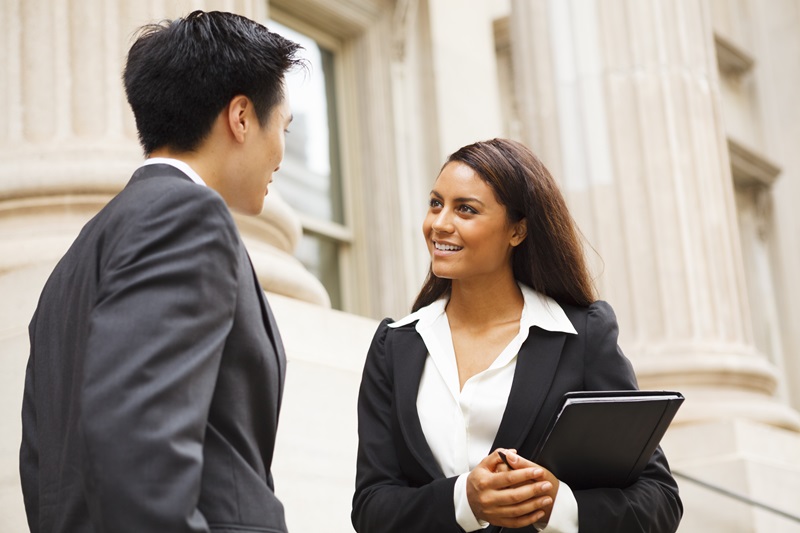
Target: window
[{"x": 310, "y": 179}]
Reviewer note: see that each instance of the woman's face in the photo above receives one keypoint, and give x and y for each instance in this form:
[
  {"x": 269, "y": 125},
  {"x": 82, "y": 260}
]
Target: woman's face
[{"x": 466, "y": 228}]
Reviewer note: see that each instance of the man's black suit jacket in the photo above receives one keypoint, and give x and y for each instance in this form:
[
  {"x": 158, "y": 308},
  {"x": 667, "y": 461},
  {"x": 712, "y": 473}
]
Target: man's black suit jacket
[
  {"x": 155, "y": 374},
  {"x": 400, "y": 486}
]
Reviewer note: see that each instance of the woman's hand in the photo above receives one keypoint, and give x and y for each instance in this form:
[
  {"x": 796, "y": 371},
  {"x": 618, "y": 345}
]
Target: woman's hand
[{"x": 516, "y": 497}]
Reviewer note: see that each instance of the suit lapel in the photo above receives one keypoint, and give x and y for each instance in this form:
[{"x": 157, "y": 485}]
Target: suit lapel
[
  {"x": 408, "y": 355},
  {"x": 165, "y": 170},
  {"x": 272, "y": 330},
  {"x": 536, "y": 366}
]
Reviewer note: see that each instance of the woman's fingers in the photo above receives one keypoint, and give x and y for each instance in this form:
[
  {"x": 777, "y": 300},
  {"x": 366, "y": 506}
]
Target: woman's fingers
[
  {"x": 482, "y": 479},
  {"x": 511, "y": 491},
  {"x": 526, "y": 507},
  {"x": 513, "y": 495},
  {"x": 516, "y": 461},
  {"x": 520, "y": 514}
]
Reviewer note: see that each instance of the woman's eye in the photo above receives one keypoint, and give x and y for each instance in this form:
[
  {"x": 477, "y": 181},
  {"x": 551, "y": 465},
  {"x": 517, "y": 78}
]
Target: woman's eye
[
  {"x": 467, "y": 209},
  {"x": 434, "y": 203}
]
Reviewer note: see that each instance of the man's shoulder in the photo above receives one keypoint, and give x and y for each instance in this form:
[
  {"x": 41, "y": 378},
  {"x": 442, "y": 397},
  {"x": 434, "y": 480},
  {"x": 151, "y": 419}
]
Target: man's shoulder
[
  {"x": 161, "y": 203},
  {"x": 170, "y": 191},
  {"x": 159, "y": 180}
]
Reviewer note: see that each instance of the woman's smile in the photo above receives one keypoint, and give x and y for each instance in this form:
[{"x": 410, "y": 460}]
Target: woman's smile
[{"x": 445, "y": 247}]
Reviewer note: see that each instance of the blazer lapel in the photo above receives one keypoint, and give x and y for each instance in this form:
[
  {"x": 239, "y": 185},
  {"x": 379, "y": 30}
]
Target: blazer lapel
[
  {"x": 408, "y": 355},
  {"x": 536, "y": 366}
]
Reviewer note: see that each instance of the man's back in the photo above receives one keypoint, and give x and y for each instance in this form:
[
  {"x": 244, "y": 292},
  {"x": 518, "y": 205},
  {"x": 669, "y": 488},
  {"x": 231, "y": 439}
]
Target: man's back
[
  {"x": 156, "y": 369},
  {"x": 152, "y": 327}
]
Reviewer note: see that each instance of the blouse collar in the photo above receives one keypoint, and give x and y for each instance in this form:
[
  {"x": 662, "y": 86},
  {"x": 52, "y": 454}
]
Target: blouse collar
[{"x": 538, "y": 310}]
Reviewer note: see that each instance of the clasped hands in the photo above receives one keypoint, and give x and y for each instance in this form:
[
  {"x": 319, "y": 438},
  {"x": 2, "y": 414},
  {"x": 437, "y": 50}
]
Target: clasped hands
[{"x": 514, "y": 498}]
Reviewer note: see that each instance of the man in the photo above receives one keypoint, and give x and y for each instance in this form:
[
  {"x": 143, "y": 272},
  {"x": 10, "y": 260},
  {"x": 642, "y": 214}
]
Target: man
[{"x": 155, "y": 374}]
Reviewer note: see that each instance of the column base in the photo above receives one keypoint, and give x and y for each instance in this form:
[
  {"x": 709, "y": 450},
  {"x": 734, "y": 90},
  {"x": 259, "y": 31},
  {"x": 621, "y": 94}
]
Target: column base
[{"x": 726, "y": 383}]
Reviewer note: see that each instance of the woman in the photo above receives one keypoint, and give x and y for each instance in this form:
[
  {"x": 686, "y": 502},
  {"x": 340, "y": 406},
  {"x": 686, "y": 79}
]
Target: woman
[{"x": 504, "y": 325}]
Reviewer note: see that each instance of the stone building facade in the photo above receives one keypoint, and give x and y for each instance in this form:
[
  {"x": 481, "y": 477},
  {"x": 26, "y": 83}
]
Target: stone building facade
[{"x": 671, "y": 125}]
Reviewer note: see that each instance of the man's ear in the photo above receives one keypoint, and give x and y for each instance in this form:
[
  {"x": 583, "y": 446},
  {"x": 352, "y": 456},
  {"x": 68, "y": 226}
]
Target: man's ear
[
  {"x": 239, "y": 114},
  {"x": 520, "y": 232}
]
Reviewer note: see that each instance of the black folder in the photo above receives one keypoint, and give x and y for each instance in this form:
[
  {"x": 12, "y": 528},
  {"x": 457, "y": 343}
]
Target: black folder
[{"x": 605, "y": 438}]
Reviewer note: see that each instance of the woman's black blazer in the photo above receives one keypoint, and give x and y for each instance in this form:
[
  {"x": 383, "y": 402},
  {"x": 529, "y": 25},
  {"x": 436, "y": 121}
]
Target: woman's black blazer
[{"x": 400, "y": 488}]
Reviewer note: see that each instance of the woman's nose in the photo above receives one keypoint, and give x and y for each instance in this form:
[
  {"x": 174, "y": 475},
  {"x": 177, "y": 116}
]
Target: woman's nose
[{"x": 443, "y": 222}]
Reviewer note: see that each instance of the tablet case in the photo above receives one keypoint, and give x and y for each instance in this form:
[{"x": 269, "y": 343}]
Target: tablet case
[{"x": 605, "y": 438}]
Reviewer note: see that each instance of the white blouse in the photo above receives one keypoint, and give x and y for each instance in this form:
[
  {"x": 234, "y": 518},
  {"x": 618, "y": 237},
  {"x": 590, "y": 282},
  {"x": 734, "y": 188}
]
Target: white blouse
[{"x": 460, "y": 425}]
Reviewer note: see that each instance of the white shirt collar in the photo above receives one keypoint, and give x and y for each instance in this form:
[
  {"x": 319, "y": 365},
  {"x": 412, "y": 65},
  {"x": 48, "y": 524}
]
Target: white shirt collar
[
  {"x": 177, "y": 163},
  {"x": 538, "y": 310}
]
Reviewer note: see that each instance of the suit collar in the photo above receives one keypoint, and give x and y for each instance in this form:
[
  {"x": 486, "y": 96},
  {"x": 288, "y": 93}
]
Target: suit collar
[
  {"x": 178, "y": 164},
  {"x": 158, "y": 171}
]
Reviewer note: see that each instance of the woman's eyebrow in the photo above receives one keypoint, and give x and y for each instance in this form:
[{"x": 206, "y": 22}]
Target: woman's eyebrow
[{"x": 461, "y": 199}]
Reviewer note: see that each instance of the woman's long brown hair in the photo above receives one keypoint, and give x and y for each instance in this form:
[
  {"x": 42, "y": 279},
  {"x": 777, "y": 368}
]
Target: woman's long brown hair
[{"x": 550, "y": 259}]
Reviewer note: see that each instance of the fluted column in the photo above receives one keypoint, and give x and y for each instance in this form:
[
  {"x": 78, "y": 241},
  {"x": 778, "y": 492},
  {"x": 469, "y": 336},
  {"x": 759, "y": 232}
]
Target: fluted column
[
  {"x": 66, "y": 129},
  {"x": 624, "y": 103}
]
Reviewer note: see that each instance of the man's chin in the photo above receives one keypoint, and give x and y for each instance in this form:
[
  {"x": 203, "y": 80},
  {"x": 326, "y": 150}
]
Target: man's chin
[{"x": 250, "y": 210}]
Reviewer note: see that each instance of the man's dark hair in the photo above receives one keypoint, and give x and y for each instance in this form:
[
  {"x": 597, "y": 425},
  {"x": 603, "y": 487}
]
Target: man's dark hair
[{"x": 181, "y": 74}]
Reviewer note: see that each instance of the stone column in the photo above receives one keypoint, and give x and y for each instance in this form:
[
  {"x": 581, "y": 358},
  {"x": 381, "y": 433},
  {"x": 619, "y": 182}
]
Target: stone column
[
  {"x": 466, "y": 95},
  {"x": 623, "y": 99},
  {"x": 67, "y": 131}
]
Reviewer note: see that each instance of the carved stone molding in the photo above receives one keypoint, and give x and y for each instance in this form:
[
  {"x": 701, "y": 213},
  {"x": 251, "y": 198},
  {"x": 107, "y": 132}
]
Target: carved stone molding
[
  {"x": 749, "y": 167},
  {"x": 732, "y": 59}
]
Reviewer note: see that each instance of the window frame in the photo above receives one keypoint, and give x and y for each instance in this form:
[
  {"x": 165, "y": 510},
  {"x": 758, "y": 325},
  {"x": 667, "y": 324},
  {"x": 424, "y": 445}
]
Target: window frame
[{"x": 341, "y": 234}]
